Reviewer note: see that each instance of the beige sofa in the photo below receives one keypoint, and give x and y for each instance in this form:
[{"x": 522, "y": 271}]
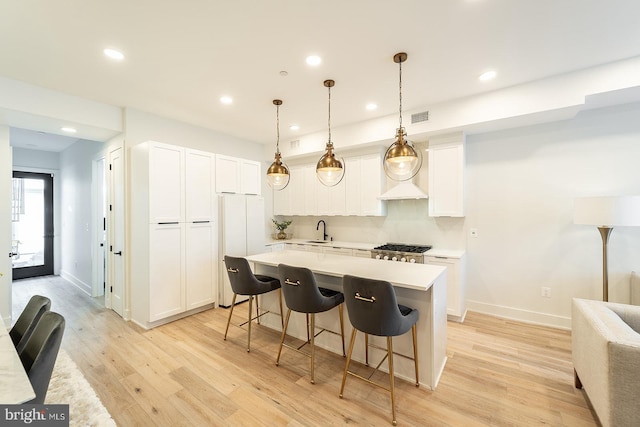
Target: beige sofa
[{"x": 606, "y": 359}]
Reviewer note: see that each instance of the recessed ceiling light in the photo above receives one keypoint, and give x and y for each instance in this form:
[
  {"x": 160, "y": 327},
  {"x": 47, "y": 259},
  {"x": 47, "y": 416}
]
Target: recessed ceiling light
[
  {"x": 68, "y": 129},
  {"x": 226, "y": 100},
  {"x": 371, "y": 106},
  {"x": 488, "y": 75},
  {"x": 114, "y": 54},
  {"x": 313, "y": 60},
  {"x": 294, "y": 127}
]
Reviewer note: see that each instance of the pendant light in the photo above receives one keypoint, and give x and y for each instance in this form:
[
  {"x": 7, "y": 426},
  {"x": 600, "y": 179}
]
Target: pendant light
[
  {"x": 278, "y": 173},
  {"x": 330, "y": 170},
  {"x": 402, "y": 160}
]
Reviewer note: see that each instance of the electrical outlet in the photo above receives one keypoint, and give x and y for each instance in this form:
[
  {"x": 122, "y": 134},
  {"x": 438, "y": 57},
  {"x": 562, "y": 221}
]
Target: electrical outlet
[
  {"x": 545, "y": 292},
  {"x": 473, "y": 232}
]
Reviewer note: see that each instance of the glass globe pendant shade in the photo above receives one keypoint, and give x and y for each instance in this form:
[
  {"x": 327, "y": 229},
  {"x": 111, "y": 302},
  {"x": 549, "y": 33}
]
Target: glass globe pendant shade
[
  {"x": 278, "y": 174},
  {"x": 330, "y": 170},
  {"x": 402, "y": 161}
]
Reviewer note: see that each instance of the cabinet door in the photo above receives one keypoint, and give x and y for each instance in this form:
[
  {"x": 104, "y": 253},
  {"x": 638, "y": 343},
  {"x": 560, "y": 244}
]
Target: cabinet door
[
  {"x": 250, "y": 177},
  {"x": 446, "y": 180},
  {"x": 296, "y": 191},
  {"x": 337, "y": 251},
  {"x": 310, "y": 191},
  {"x": 166, "y": 183},
  {"x": 200, "y": 264},
  {"x": 353, "y": 186},
  {"x": 337, "y": 199},
  {"x": 199, "y": 186},
  {"x": 166, "y": 270},
  {"x": 362, "y": 253},
  {"x": 281, "y": 201},
  {"x": 371, "y": 176},
  {"x": 227, "y": 174},
  {"x": 454, "y": 298}
]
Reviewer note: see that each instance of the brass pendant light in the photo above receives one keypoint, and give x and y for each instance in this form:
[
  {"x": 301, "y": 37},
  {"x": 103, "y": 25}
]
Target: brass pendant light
[
  {"x": 403, "y": 160},
  {"x": 329, "y": 169},
  {"x": 278, "y": 173}
]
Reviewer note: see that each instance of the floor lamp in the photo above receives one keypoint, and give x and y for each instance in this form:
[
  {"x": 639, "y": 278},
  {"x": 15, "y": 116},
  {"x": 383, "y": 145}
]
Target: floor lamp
[{"x": 607, "y": 212}]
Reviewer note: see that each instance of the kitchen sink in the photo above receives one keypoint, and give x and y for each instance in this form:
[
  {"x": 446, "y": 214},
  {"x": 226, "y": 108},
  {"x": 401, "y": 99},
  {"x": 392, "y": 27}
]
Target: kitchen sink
[{"x": 317, "y": 241}]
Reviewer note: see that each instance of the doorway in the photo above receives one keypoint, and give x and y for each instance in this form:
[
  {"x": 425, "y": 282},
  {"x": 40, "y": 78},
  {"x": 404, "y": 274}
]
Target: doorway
[{"x": 31, "y": 224}]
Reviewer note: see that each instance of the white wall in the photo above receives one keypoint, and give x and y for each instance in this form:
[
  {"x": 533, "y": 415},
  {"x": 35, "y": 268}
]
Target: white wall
[
  {"x": 5, "y": 225},
  {"x": 521, "y": 185},
  {"x": 75, "y": 182}
]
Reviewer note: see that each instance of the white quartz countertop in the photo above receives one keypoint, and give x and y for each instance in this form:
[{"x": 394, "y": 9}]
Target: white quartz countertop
[
  {"x": 329, "y": 243},
  {"x": 412, "y": 276},
  {"x": 15, "y": 386}
]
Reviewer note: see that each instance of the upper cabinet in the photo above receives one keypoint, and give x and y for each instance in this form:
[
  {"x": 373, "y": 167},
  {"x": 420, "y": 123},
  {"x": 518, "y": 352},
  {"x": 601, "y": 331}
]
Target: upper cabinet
[
  {"x": 446, "y": 175},
  {"x": 235, "y": 175},
  {"x": 165, "y": 183},
  {"x": 199, "y": 182},
  {"x": 357, "y": 193}
]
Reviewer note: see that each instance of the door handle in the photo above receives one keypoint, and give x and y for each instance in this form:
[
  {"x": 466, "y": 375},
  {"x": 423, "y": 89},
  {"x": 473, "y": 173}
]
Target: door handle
[
  {"x": 118, "y": 253},
  {"x": 12, "y": 254}
]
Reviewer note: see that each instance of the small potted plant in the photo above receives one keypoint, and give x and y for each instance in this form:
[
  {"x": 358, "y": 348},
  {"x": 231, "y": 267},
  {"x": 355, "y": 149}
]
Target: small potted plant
[{"x": 281, "y": 226}]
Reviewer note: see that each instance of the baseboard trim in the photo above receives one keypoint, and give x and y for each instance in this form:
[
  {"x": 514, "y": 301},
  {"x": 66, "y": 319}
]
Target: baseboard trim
[
  {"x": 84, "y": 287},
  {"x": 520, "y": 315}
]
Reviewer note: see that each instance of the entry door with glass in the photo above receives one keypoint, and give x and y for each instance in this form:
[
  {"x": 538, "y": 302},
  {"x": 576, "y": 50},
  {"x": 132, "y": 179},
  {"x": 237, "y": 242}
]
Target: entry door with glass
[{"x": 32, "y": 224}]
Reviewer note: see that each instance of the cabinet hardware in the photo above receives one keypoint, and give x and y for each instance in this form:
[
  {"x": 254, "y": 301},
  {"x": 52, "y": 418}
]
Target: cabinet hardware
[
  {"x": 168, "y": 223},
  {"x": 118, "y": 253},
  {"x": 201, "y": 222}
]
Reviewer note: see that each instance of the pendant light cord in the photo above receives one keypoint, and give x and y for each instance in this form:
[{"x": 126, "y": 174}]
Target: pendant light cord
[
  {"x": 400, "y": 91},
  {"x": 278, "y": 129},
  {"x": 329, "y": 120}
]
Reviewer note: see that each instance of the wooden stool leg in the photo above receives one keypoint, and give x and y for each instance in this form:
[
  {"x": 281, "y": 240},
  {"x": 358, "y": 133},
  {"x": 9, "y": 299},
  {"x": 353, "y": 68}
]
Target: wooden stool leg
[
  {"x": 284, "y": 332},
  {"x": 391, "y": 379},
  {"x": 342, "y": 329},
  {"x": 313, "y": 347},
  {"x": 414, "y": 331},
  {"x": 233, "y": 304},
  {"x": 249, "y": 334},
  {"x": 346, "y": 364}
]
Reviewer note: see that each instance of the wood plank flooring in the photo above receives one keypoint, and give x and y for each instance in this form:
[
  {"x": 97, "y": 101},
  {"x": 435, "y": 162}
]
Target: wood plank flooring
[{"x": 499, "y": 373}]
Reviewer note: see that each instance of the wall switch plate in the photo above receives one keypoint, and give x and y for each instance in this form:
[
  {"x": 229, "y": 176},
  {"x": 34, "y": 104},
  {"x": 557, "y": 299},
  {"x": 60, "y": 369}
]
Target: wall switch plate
[
  {"x": 545, "y": 292},
  {"x": 473, "y": 232}
]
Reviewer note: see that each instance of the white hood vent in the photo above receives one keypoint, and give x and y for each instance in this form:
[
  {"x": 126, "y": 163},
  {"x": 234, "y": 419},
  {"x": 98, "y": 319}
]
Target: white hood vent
[{"x": 404, "y": 190}]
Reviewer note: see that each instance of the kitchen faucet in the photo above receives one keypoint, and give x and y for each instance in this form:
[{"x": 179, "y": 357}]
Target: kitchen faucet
[{"x": 324, "y": 229}]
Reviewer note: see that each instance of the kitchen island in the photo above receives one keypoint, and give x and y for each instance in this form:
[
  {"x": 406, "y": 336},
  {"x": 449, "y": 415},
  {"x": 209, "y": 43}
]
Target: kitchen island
[{"x": 419, "y": 286}]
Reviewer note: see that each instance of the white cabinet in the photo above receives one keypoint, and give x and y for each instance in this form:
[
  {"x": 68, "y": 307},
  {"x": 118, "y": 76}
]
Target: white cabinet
[
  {"x": 456, "y": 284},
  {"x": 446, "y": 175},
  {"x": 364, "y": 183},
  {"x": 361, "y": 253},
  {"x": 173, "y": 233},
  {"x": 357, "y": 194},
  {"x": 235, "y": 175}
]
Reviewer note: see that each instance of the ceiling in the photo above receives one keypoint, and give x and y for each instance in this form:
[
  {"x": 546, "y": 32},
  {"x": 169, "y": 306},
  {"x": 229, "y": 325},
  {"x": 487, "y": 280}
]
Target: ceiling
[{"x": 182, "y": 56}]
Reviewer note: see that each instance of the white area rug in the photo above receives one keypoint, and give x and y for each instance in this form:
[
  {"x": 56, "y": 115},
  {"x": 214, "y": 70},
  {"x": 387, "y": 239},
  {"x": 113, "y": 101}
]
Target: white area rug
[{"x": 68, "y": 386}]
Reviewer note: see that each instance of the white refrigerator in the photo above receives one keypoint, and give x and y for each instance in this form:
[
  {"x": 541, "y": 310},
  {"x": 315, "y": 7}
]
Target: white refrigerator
[{"x": 242, "y": 232}]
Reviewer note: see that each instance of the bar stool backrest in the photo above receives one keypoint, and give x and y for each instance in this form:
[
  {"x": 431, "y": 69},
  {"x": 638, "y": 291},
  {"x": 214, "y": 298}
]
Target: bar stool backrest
[
  {"x": 242, "y": 280},
  {"x": 301, "y": 291},
  {"x": 28, "y": 319},
  {"x": 373, "y": 308}
]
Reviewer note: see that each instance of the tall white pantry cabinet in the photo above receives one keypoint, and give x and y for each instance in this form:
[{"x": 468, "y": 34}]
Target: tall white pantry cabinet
[{"x": 174, "y": 234}]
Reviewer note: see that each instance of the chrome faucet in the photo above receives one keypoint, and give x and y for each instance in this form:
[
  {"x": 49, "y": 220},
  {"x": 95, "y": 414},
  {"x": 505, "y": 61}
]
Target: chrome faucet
[{"x": 324, "y": 229}]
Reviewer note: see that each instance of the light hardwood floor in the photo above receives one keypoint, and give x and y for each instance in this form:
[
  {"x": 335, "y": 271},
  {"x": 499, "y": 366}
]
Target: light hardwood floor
[{"x": 499, "y": 373}]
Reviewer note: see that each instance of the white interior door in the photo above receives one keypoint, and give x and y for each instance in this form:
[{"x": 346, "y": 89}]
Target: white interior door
[
  {"x": 115, "y": 258},
  {"x": 99, "y": 239}
]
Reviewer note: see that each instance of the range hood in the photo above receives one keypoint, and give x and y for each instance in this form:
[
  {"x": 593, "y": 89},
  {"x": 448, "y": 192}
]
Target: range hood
[{"x": 402, "y": 191}]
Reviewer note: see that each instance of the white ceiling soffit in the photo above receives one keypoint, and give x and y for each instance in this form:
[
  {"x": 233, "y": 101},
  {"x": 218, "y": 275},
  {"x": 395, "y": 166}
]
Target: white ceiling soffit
[{"x": 181, "y": 57}]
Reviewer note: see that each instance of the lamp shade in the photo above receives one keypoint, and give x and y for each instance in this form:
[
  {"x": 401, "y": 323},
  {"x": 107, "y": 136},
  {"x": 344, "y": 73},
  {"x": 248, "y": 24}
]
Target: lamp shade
[{"x": 607, "y": 211}]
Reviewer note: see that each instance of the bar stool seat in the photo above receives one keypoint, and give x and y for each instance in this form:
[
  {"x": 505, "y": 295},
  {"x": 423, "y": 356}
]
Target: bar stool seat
[
  {"x": 244, "y": 282},
  {"x": 303, "y": 295},
  {"x": 373, "y": 309}
]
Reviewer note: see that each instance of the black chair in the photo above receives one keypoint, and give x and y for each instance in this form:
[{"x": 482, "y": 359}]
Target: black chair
[
  {"x": 244, "y": 282},
  {"x": 373, "y": 309},
  {"x": 21, "y": 331},
  {"x": 302, "y": 295},
  {"x": 40, "y": 352}
]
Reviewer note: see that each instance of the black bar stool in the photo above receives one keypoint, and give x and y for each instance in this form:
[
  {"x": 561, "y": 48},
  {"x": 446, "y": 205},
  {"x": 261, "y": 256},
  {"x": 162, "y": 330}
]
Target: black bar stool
[
  {"x": 302, "y": 295},
  {"x": 28, "y": 319},
  {"x": 373, "y": 309},
  {"x": 244, "y": 282}
]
